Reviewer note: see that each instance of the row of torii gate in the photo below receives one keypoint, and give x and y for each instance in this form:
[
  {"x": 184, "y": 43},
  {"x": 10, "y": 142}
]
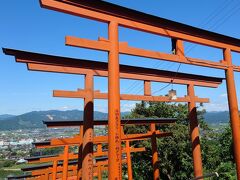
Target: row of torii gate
[{"x": 89, "y": 162}]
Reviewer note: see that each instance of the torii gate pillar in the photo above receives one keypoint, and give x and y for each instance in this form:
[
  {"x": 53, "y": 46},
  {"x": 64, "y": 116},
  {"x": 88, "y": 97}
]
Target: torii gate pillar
[
  {"x": 233, "y": 108},
  {"x": 114, "y": 119},
  {"x": 194, "y": 133}
]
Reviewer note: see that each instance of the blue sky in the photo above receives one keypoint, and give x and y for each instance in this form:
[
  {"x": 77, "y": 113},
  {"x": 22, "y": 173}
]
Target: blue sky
[{"x": 26, "y": 26}]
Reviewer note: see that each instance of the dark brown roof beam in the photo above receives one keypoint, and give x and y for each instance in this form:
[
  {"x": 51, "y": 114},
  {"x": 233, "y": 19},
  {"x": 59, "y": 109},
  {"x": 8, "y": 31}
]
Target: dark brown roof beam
[
  {"x": 49, "y": 63},
  {"x": 136, "y": 121},
  {"x": 105, "y": 12}
]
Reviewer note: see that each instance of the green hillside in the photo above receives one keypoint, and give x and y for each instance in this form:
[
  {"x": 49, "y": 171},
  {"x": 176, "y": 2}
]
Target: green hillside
[{"x": 34, "y": 119}]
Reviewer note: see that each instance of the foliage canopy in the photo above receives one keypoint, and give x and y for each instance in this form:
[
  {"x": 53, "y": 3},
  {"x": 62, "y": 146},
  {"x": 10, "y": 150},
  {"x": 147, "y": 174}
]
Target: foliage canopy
[{"x": 175, "y": 154}]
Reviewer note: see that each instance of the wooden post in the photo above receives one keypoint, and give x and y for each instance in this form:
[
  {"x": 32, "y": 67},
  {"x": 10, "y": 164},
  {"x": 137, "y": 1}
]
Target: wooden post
[
  {"x": 147, "y": 88},
  {"x": 114, "y": 119},
  {"x": 65, "y": 163},
  {"x": 99, "y": 168},
  {"x": 129, "y": 161},
  {"x": 80, "y": 155},
  {"x": 54, "y": 171},
  {"x": 156, "y": 174},
  {"x": 194, "y": 133},
  {"x": 87, "y": 149},
  {"x": 179, "y": 48},
  {"x": 233, "y": 109}
]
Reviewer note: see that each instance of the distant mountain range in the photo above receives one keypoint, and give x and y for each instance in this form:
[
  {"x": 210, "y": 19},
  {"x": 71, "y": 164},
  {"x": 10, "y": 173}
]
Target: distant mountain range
[
  {"x": 34, "y": 119},
  {"x": 217, "y": 117},
  {"x": 5, "y": 116}
]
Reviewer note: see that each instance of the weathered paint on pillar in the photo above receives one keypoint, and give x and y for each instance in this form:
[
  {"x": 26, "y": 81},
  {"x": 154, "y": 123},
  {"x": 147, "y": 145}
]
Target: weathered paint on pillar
[
  {"x": 194, "y": 133},
  {"x": 65, "y": 163},
  {"x": 129, "y": 161},
  {"x": 87, "y": 149},
  {"x": 233, "y": 108},
  {"x": 114, "y": 119}
]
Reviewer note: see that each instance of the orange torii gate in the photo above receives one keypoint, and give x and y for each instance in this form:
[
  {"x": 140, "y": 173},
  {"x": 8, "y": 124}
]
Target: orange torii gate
[
  {"x": 90, "y": 68},
  {"x": 43, "y": 62},
  {"x": 57, "y": 169},
  {"x": 116, "y": 16},
  {"x": 72, "y": 141},
  {"x": 76, "y": 140},
  {"x": 153, "y": 134},
  {"x": 65, "y": 162}
]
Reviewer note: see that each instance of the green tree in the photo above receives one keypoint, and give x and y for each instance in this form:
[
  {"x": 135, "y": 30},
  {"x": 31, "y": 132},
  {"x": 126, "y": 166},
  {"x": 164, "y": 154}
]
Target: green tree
[
  {"x": 175, "y": 152},
  {"x": 46, "y": 151}
]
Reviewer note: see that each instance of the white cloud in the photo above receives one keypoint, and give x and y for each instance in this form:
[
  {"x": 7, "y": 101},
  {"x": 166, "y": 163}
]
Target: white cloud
[
  {"x": 101, "y": 108},
  {"x": 127, "y": 107},
  {"x": 64, "y": 108},
  {"x": 216, "y": 106},
  {"x": 223, "y": 95}
]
